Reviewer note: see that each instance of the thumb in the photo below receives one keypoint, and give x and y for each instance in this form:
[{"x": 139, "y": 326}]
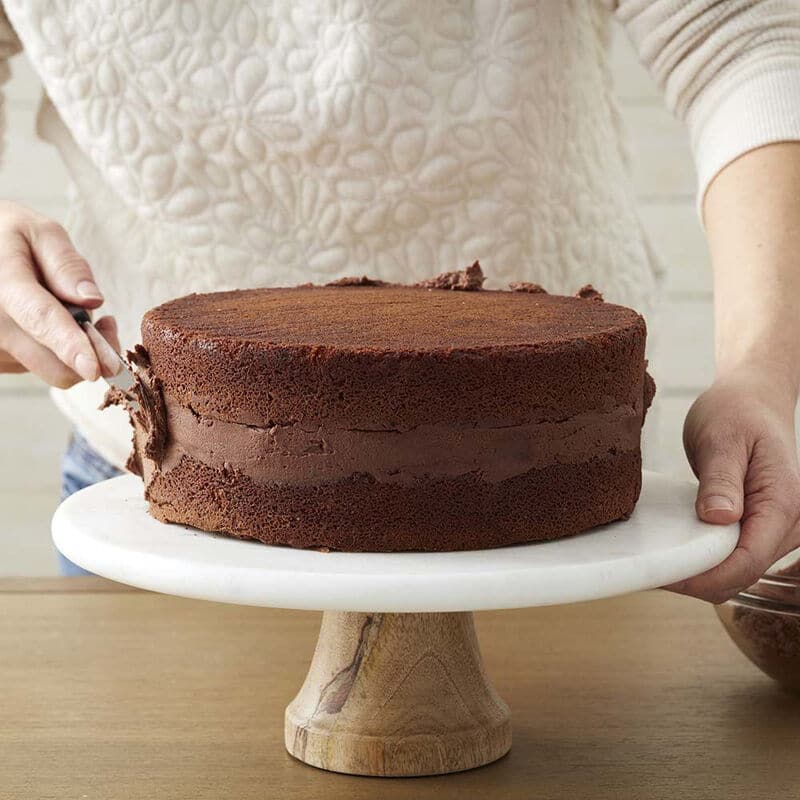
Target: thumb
[
  {"x": 721, "y": 472},
  {"x": 65, "y": 272}
]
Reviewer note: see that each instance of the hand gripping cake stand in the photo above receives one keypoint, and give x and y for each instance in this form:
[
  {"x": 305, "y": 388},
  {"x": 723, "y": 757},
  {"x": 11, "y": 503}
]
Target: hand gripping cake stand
[{"x": 396, "y": 685}]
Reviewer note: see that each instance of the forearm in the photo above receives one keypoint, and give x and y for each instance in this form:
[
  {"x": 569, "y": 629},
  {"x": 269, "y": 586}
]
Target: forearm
[
  {"x": 752, "y": 216},
  {"x": 731, "y": 70}
]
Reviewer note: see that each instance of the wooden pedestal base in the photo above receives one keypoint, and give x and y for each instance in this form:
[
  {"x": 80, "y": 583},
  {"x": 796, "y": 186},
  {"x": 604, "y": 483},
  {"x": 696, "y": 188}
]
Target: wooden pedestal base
[{"x": 397, "y": 694}]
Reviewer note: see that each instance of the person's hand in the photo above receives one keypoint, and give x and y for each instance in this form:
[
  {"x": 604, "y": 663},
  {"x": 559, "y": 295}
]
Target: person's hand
[
  {"x": 740, "y": 441},
  {"x": 39, "y": 267}
]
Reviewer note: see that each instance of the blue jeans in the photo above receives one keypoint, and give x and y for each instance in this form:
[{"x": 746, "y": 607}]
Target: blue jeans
[{"x": 81, "y": 467}]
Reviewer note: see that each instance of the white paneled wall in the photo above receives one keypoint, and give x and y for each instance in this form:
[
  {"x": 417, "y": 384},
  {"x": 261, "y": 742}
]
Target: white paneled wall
[{"x": 34, "y": 435}]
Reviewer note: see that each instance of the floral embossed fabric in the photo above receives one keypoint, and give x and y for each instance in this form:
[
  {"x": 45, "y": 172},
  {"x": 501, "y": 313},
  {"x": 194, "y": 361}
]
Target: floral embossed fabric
[{"x": 274, "y": 143}]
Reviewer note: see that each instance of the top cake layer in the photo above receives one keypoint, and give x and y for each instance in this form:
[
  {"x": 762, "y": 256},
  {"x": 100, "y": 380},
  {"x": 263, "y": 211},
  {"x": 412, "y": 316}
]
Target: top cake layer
[{"x": 395, "y": 357}]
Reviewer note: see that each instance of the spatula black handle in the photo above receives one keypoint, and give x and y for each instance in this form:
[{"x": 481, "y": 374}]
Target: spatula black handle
[{"x": 80, "y": 315}]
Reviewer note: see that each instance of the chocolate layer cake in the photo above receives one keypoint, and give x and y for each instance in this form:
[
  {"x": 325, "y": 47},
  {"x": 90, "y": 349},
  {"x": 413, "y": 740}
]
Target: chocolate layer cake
[{"x": 366, "y": 416}]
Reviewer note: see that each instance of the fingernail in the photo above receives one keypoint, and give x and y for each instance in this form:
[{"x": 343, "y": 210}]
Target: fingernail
[
  {"x": 718, "y": 503},
  {"x": 88, "y": 290},
  {"x": 85, "y": 367}
]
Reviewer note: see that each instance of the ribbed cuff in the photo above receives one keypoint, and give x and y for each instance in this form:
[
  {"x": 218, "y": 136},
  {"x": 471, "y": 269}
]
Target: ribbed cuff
[{"x": 760, "y": 108}]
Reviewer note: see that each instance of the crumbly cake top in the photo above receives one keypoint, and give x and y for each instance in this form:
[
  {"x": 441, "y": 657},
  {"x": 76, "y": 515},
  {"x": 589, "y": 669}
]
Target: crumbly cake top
[{"x": 368, "y": 317}]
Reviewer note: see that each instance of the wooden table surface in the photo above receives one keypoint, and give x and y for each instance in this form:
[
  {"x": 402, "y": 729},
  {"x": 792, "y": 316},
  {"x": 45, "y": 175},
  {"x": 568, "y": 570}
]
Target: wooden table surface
[{"x": 108, "y": 692}]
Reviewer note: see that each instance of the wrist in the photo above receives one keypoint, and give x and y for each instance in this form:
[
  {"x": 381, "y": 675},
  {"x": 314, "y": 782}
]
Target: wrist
[
  {"x": 769, "y": 351},
  {"x": 762, "y": 372}
]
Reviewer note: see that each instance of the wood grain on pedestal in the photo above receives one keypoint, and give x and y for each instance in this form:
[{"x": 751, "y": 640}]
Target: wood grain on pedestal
[{"x": 397, "y": 694}]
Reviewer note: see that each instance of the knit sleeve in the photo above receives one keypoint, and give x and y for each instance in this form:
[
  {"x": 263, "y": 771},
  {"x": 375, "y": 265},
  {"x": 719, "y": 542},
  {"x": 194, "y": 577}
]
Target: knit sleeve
[
  {"x": 729, "y": 68},
  {"x": 9, "y": 46}
]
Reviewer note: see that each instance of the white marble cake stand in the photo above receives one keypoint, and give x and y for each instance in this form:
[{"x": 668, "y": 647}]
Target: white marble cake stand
[{"x": 396, "y": 685}]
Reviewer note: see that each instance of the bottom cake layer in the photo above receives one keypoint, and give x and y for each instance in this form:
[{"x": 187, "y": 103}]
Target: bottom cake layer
[{"x": 360, "y": 514}]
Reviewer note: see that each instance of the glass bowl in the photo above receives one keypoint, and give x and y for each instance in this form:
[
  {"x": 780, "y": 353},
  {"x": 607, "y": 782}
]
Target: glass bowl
[{"x": 764, "y": 622}]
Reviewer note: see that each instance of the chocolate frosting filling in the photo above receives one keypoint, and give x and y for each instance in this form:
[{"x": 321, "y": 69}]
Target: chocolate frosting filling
[
  {"x": 357, "y": 281},
  {"x": 588, "y": 292},
  {"x": 145, "y": 405},
  {"x": 309, "y": 452},
  {"x": 470, "y": 279},
  {"x": 527, "y": 287},
  {"x": 466, "y": 280}
]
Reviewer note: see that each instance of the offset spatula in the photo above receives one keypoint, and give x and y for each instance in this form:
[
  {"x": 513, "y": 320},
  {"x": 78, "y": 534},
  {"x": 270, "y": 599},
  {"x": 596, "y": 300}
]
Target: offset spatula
[{"x": 123, "y": 378}]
